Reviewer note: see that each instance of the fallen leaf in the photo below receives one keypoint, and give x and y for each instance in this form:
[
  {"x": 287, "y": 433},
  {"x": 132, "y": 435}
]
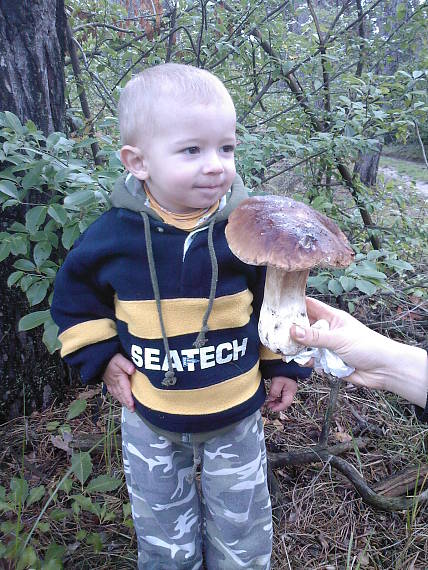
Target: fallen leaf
[
  {"x": 88, "y": 394},
  {"x": 58, "y": 442},
  {"x": 363, "y": 559},
  {"x": 342, "y": 437}
]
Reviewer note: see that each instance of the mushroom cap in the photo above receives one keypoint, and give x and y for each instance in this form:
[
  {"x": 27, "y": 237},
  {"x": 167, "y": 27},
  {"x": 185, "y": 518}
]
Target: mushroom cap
[{"x": 286, "y": 234}]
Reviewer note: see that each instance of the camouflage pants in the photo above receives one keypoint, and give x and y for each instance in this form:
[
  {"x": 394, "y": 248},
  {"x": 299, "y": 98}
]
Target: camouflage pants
[{"x": 229, "y": 521}]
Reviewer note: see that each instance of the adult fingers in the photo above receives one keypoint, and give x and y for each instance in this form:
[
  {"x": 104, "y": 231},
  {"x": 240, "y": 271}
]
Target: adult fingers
[{"x": 318, "y": 338}]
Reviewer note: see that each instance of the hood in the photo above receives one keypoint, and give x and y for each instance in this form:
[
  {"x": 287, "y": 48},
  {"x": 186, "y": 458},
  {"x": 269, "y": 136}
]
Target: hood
[{"x": 128, "y": 193}]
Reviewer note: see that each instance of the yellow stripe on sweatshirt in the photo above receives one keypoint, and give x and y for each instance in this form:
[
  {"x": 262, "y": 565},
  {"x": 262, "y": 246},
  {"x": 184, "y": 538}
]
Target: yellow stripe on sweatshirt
[
  {"x": 200, "y": 401},
  {"x": 184, "y": 316},
  {"x": 85, "y": 334},
  {"x": 267, "y": 354}
]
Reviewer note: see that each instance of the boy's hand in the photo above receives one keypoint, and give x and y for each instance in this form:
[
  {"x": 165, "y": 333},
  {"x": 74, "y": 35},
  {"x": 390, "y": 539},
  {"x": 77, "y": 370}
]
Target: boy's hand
[
  {"x": 116, "y": 378},
  {"x": 281, "y": 393}
]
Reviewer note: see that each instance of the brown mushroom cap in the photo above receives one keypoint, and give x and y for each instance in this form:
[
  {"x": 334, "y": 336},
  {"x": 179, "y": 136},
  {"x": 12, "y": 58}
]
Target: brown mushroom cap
[{"x": 288, "y": 235}]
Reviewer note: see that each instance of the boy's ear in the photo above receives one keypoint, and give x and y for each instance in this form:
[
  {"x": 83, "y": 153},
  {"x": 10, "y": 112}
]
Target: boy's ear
[{"x": 133, "y": 160}]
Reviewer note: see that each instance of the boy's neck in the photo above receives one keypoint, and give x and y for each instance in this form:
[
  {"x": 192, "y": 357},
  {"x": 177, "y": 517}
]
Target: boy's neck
[{"x": 187, "y": 221}]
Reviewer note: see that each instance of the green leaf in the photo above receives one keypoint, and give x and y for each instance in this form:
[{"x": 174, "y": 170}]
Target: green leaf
[
  {"x": 78, "y": 198},
  {"x": 348, "y": 283},
  {"x": 9, "y": 188},
  {"x": 50, "y": 336},
  {"x": 335, "y": 287},
  {"x": 24, "y": 265},
  {"x": 18, "y": 244},
  {"x": 35, "y": 495},
  {"x": 34, "y": 218},
  {"x": 52, "y": 426},
  {"x": 52, "y": 564},
  {"x": 13, "y": 122},
  {"x": 59, "y": 514},
  {"x": 76, "y": 408},
  {"x": 37, "y": 292},
  {"x": 58, "y": 213},
  {"x": 42, "y": 251},
  {"x": 54, "y": 552},
  {"x": 86, "y": 504},
  {"x": 66, "y": 485},
  {"x": 43, "y": 526},
  {"x": 319, "y": 282},
  {"x": 103, "y": 484},
  {"x": 69, "y": 236},
  {"x": 399, "y": 264},
  {"x": 366, "y": 286},
  {"x": 33, "y": 178},
  {"x": 33, "y": 320},
  {"x": 81, "y": 465},
  {"x": 19, "y": 488},
  {"x": 94, "y": 538},
  {"x": 27, "y": 559},
  {"x": 4, "y": 250}
]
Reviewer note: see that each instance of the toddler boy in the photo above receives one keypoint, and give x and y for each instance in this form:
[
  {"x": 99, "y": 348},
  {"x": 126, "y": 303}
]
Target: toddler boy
[{"x": 152, "y": 300}]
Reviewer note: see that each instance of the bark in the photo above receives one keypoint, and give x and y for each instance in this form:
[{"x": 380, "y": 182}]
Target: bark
[
  {"x": 32, "y": 61},
  {"x": 367, "y": 166},
  {"x": 31, "y": 86}
]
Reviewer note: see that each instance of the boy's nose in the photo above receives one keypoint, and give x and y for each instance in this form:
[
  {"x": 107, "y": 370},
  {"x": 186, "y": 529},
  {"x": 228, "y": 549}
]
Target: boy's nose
[{"x": 213, "y": 164}]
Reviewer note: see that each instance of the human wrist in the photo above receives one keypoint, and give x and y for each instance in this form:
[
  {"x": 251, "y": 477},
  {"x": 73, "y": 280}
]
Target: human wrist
[{"x": 408, "y": 373}]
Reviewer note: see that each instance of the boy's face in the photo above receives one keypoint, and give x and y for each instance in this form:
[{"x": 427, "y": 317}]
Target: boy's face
[{"x": 188, "y": 163}]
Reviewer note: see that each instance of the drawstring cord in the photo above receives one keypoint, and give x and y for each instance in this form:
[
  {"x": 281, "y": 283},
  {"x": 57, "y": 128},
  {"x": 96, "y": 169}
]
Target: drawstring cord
[
  {"x": 196, "y": 462},
  {"x": 201, "y": 340},
  {"x": 170, "y": 379}
]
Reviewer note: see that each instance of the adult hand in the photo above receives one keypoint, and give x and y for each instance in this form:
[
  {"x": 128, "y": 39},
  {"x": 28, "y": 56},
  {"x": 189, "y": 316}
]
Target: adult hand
[
  {"x": 379, "y": 362},
  {"x": 281, "y": 393},
  {"x": 116, "y": 378}
]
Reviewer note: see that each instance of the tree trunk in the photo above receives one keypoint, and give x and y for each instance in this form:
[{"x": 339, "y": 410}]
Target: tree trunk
[
  {"x": 367, "y": 166},
  {"x": 32, "y": 40},
  {"x": 32, "y": 61}
]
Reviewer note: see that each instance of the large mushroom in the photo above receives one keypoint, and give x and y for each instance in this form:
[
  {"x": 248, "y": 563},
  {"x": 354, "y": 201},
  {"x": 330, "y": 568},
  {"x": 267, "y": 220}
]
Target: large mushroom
[{"x": 290, "y": 238}]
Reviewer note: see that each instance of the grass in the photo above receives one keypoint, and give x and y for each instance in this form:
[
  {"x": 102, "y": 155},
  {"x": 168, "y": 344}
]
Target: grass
[
  {"x": 410, "y": 151},
  {"x": 412, "y": 170}
]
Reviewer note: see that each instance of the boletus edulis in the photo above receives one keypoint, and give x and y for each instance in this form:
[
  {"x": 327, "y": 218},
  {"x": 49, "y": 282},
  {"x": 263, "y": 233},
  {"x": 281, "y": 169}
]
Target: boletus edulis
[{"x": 290, "y": 238}]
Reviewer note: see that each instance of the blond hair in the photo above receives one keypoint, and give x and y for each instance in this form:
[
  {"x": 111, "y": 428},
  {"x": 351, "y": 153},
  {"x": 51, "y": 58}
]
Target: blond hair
[{"x": 137, "y": 103}]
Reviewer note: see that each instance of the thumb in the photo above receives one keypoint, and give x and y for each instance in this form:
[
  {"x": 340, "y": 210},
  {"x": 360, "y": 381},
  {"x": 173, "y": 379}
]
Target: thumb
[{"x": 312, "y": 336}]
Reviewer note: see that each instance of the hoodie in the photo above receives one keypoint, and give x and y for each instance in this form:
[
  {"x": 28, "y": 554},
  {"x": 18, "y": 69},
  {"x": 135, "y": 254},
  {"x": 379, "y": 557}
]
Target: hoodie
[{"x": 178, "y": 304}]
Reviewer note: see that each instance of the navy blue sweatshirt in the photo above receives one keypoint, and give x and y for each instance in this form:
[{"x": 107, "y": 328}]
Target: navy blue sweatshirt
[{"x": 104, "y": 304}]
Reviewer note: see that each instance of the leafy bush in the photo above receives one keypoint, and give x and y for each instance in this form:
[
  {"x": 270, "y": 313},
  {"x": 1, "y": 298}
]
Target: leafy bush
[{"x": 61, "y": 192}]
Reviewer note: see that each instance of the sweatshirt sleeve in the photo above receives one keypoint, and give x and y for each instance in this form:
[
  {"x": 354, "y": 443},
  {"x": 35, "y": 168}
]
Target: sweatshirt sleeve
[
  {"x": 271, "y": 364},
  {"x": 84, "y": 312}
]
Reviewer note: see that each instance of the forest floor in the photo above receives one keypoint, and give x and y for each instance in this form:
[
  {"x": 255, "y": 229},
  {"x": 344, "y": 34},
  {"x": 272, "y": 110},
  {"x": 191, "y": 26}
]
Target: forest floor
[
  {"x": 409, "y": 174},
  {"x": 320, "y": 522}
]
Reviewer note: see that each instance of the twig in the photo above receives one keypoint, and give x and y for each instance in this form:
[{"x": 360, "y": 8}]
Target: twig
[
  {"x": 313, "y": 454},
  {"x": 420, "y": 142},
  {"x": 334, "y": 391}
]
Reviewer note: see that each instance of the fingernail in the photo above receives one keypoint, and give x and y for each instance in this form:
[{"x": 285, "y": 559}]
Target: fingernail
[{"x": 299, "y": 332}]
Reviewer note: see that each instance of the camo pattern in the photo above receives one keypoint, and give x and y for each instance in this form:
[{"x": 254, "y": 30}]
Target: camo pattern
[{"x": 224, "y": 517}]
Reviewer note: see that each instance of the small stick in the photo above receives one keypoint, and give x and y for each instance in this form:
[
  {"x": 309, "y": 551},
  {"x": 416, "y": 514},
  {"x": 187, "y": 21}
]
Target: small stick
[{"x": 334, "y": 391}]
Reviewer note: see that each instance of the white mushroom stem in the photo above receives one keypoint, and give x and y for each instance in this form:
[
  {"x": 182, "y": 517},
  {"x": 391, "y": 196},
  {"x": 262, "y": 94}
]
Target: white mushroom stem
[{"x": 283, "y": 305}]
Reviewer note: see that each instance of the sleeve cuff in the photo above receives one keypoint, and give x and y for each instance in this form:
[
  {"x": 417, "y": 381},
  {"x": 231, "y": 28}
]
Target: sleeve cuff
[
  {"x": 272, "y": 368},
  {"x": 92, "y": 360}
]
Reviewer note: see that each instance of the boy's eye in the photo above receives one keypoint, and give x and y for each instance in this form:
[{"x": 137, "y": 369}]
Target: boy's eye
[
  {"x": 191, "y": 150},
  {"x": 228, "y": 148}
]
